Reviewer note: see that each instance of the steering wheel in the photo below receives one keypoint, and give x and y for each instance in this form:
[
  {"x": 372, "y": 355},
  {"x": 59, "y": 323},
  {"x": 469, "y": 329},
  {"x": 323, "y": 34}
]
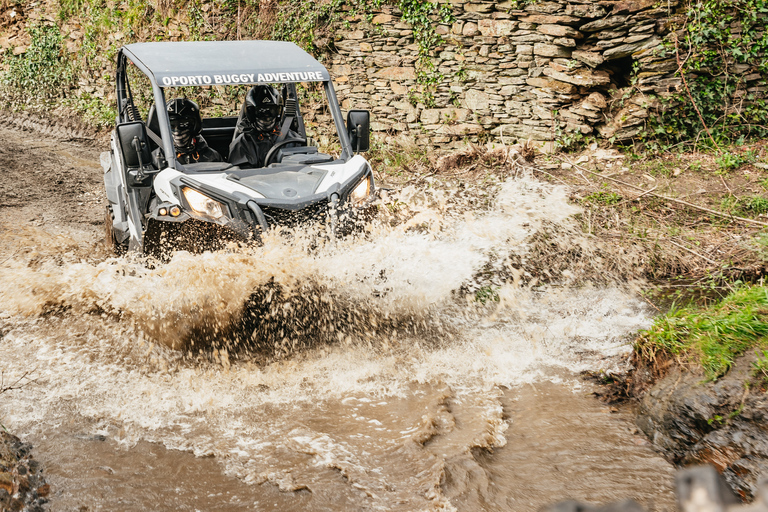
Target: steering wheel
[{"x": 273, "y": 150}]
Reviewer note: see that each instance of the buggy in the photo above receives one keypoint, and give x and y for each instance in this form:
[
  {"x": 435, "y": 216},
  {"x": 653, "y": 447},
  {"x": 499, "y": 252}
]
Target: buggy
[{"x": 157, "y": 207}]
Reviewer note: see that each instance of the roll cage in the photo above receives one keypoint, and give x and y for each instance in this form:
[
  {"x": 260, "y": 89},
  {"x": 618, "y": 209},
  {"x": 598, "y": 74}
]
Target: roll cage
[{"x": 200, "y": 63}]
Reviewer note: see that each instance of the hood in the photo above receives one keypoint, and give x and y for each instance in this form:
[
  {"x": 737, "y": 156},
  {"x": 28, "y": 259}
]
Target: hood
[{"x": 285, "y": 184}]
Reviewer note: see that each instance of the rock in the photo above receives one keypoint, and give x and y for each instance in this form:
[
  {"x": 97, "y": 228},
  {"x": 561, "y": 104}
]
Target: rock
[
  {"x": 589, "y": 10},
  {"x": 604, "y": 24},
  {"x": 476, "y": 100},
  {"x": 560, "y": 31},
  {"x": 583, "y": 77},
  {"x": 591, "y": 59},
  {"x": 626, "y": 50},
  {"x": 630, "y": 6},
  {"x": 496, "y": 28},
  {"x": 694, "y": 421},
  {"x": 550, "y": 50},
  {"x": 469, "y": 30},
  {"x": 381, "y": 19},
  {"x": 542, "y": 19},
  {"x": 20, "y": 476},
  {"x": 552, "y": 85},
  {"x": 544, "y": 7},
  {"x": 396, "y": 73},
  {"x": 524, "y": 49},
  {"x": 565, "y": 41}
]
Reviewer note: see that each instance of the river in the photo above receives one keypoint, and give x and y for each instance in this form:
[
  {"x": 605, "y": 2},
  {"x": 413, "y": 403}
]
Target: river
[{"x": 425, "y": 364}]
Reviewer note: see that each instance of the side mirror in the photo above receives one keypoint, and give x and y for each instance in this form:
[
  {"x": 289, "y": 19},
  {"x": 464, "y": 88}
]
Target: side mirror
[
  {"x": 132, "y": 139},
  {"x": 359, "y": 128}
]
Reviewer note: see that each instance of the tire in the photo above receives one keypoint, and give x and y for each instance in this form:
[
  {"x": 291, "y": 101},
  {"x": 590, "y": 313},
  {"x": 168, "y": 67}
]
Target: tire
[{"x": 111, "y": 243}]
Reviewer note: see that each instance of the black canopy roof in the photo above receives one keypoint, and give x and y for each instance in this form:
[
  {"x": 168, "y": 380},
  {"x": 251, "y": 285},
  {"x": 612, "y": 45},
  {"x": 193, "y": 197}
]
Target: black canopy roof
[{"x": 174, "y": 64}]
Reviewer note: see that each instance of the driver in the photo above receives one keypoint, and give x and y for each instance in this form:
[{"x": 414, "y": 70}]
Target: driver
[
  {"x": 186, "y": 126},
  {"x": 258, "y": 127}
]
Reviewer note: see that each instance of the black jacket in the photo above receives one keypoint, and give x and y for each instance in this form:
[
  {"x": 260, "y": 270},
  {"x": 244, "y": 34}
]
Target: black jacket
[
  {"x": 249, "y": 148},
  {"x": 198, "y": 152}
]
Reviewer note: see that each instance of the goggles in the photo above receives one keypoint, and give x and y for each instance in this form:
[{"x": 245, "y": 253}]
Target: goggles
[
  {"x": 265, "y": 111},
  {"x": 180, "y": 124}
]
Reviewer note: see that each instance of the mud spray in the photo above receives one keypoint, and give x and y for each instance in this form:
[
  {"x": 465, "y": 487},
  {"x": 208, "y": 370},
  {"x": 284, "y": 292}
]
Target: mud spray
[{"x": 428, "y": 363}]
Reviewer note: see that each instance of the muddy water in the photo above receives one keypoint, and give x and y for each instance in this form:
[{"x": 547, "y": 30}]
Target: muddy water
[{"x": 361, "y": 374}]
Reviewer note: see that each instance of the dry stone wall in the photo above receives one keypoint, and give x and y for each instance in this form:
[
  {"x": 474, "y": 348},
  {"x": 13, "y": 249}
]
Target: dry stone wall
[
  {"x": 583, "y": 66},
  {"x": 590, "y": 67}
]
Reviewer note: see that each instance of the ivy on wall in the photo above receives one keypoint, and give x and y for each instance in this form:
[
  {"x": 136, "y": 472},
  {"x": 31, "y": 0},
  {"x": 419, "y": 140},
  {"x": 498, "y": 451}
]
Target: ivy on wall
[
  {"x": 309, "y": 24},
  {"x": 721, "y": 43}
]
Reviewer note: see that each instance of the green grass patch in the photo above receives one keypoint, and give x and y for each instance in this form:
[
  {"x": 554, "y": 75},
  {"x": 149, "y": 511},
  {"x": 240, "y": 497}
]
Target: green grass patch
[
  {"x": 713, "y": 336},
  {"x": 604, "y": 198}
]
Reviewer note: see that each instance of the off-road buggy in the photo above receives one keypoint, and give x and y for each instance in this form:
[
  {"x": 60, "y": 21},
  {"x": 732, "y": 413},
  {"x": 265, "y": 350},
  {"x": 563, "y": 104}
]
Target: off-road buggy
[{"x": 198, "y": 205}]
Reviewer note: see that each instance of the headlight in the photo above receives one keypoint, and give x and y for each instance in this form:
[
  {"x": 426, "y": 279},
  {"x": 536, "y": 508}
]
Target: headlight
[
  {"x": 361, "y": 192},
  {"x": 202, "y": 204}
]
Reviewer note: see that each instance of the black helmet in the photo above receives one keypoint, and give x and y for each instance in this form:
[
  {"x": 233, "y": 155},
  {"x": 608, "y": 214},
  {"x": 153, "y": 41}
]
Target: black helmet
[
  {"x": 185, "y": 120},
  {"x": 263, "y": 107}
]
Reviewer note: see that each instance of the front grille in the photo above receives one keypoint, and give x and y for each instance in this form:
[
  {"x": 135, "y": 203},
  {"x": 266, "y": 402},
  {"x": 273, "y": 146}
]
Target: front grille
[{"x": 317, "y": 212}]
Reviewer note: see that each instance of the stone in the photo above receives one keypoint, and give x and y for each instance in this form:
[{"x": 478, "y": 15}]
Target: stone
[
  {"x": 582, "y": 77},
  {"x": 479, "y": 8},
  {"x": 604, "y": 24},
  {"x": 524, "y": 49},
  {"x": 565, "y": 41},
  {"x": 385, "y": 60},
  {"x": 457, "y": 27},
  {"x": 591, "y": 59},
  {"x": 550, "y": 50},
  {"x": 496, "y": 28},
  {"x": 396, "y": 73},
  {"x": 531, "y": 38},
  {"x": 380, "y": 19},
  {"x": 560, "y": 31},
  {"x": 543, "y": 19},
  {"x": 589, "y": 10},
  {"x": 443, "y": 115},
  {"x": 551, "y": 84},
  {"x": 642, "y": 28},
  {"x": 626, "y": 50},
  {"x": 611, "y": 34},
  {"x": 342, "y": 69},
  {"x": 366, "y": 47},
  {"x": 470, "y": 29},
  {"x": 544, "y": 7},
  {"x": 630, "y": 6},
  {"x": 635, "y": 38},
  {"x": 476, "y": 100},
  {"x": 664, "y": 66},
  {"x": 460, "y": 129},
  {"x": 597, "y": 100}
]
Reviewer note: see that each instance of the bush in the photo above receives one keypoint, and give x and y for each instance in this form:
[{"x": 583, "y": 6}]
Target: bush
[{"x": 43, "y": 72}]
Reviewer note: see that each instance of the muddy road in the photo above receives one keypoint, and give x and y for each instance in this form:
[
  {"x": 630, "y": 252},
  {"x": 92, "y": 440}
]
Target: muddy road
[{"x": 414, "y": 394}]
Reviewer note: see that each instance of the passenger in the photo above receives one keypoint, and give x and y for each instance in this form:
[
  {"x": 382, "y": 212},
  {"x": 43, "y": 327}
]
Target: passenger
[
  {"x": 186, "y": 126},
  {"x": 258, "y": 127}
]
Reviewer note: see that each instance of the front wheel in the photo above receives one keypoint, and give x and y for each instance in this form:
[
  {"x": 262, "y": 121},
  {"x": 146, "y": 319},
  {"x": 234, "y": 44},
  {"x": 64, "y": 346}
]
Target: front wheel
[{"x": 110, "y": 241}]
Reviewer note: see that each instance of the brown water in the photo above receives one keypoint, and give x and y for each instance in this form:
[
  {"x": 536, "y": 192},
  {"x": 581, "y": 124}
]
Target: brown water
[{"x": 372, "y": 379}]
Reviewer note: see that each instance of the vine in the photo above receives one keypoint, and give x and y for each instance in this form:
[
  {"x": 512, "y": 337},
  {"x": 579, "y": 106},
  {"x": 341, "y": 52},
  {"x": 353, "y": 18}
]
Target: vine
[
  {"x": 305, "y": 21},
  {"x": 724, "y": 41}
]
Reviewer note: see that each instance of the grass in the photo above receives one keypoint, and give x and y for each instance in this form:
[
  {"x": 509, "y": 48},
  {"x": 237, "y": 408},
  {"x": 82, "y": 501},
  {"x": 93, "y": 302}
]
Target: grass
[{"x": 712, "y": 336}]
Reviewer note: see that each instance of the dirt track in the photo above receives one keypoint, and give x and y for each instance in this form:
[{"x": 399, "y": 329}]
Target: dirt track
[{"x": 51, "y": 185}]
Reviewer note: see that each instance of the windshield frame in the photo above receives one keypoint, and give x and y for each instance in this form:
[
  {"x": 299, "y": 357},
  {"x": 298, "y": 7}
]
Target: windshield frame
[{"x": 124, "y": 97}]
